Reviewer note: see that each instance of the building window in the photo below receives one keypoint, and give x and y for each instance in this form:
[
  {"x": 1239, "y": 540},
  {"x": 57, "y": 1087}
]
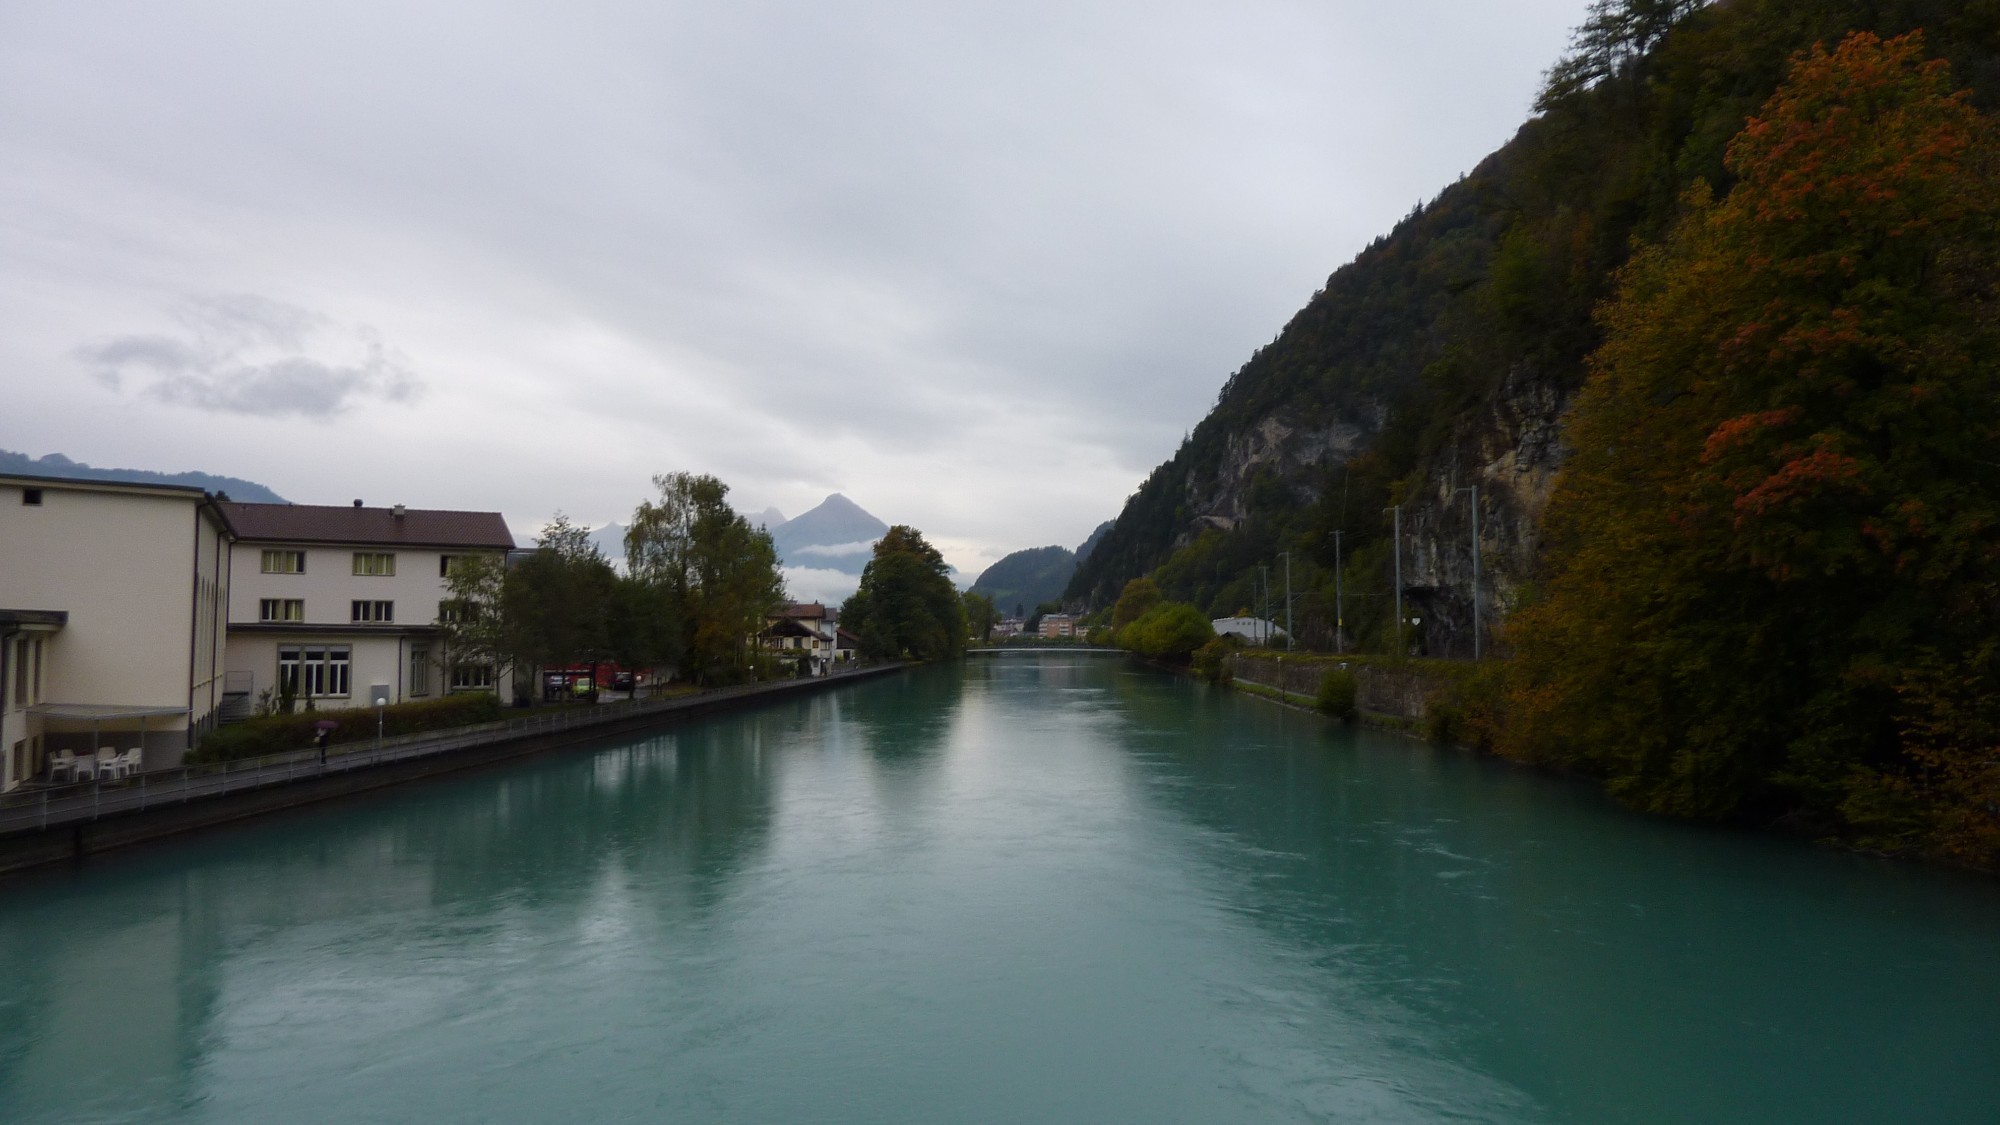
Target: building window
[
  {"x": 382, "y": 563},
  {"x": 281, "y": 609},
  {"x": 420, "y": 671},
  {"x": 471, "y": 677},
  {"x": 32, "y": 497},
  {"x": 312, "y": 671},
  {"x": 284, "y": 562},
  {"x": 449, "y": 563},
  {"x": 374, "y": 612},
  {"x": 455, "y": 611}
]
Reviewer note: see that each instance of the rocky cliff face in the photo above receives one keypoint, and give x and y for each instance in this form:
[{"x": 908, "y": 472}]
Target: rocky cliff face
[
  {"x": 1509, "y": 452},
  {"x": 1509, "y": 448}
]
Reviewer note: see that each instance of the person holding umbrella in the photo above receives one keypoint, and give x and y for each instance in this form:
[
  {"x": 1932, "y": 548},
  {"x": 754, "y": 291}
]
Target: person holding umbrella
[{"x": 325, "y": 735}]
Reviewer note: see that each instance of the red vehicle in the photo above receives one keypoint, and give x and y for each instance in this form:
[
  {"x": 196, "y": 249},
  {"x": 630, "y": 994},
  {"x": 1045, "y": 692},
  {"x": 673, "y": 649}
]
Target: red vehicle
[{"x": 585, "y": 681}]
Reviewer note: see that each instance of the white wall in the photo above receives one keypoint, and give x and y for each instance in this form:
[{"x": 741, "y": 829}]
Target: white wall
[
  {"x": 135, "y": 571},
  {"x": 329, "y": 586},
  {"x": 123, "y": 567}
]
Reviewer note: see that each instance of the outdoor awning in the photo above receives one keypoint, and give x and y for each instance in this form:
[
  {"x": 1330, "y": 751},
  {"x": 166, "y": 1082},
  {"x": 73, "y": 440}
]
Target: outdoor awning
[
  {"x": 99, "y": 712},
  {"x": 39, "y": 620}
]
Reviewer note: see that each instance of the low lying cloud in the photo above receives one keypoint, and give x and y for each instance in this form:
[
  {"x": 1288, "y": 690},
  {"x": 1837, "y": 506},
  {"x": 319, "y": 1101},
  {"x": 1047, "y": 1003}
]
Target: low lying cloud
[
  {"x": 251, "y": 355},
  {"x": 837, "y": 550},
  {"x": 810, "y": 584}
]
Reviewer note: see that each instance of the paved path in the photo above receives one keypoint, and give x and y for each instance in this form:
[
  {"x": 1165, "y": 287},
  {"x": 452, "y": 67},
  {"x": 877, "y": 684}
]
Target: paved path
[{"x": 61, "y": 805}]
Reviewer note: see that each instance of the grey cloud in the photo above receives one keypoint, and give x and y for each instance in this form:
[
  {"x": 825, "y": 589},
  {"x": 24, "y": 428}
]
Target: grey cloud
[
  {"x": 993, "y": 257},
  {"x": 242, "y": 354}
]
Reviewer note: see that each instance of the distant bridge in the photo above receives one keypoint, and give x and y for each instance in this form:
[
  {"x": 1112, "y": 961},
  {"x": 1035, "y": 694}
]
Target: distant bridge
[{"x": 997, "y": 649}]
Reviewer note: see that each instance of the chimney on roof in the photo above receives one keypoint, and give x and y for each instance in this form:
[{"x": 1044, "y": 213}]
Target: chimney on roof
[
  {"x": 399, "y": 511},
  {"x": 357, "y": 503}
]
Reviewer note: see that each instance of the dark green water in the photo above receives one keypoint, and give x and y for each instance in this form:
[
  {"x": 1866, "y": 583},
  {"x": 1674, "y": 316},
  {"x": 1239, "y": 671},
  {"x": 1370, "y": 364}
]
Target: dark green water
[{"x": 1037, "y": 889}]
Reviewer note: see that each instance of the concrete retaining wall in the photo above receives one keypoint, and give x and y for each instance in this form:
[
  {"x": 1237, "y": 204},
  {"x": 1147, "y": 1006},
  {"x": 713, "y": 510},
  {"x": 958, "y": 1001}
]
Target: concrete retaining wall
[
  {"x": 1399, "y": 692},
  {"x": 22, "y": 850}
]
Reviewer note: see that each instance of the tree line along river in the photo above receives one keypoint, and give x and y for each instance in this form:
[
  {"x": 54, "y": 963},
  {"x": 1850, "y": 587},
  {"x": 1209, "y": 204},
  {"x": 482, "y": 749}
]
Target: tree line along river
[{"x": 1031, "y": 887}]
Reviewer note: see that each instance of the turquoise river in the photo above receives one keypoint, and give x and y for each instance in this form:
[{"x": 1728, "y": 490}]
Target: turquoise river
[{"x": 1055, "y": 888}]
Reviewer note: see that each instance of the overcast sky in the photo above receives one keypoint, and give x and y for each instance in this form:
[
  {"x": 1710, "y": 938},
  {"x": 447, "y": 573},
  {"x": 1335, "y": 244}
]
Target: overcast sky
[{"x": 977, "y": 266}]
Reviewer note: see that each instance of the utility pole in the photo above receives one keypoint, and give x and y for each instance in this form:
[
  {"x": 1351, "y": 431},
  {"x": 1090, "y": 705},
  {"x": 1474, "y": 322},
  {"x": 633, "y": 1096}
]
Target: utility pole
[
  {"x": 1474, "y": 489},
  {"x": 1264, "y": 606},
  {"x": 1396, "y": 549},
  {"x": 1288, "y": 599},
  {"x": 1339, "y": 616}
]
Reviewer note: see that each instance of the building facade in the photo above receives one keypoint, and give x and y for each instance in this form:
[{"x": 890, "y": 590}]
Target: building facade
[
  {"x": 112, "y": 620},
  {"x": 326, "y": 603}
]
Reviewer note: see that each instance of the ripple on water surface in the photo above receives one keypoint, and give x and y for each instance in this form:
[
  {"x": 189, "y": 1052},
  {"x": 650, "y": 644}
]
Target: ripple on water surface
[{"x": 1037, "y": 888}]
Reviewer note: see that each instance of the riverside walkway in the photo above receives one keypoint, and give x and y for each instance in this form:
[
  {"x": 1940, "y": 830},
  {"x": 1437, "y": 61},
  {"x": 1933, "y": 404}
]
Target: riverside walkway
[{"x": 44, "y": 811}]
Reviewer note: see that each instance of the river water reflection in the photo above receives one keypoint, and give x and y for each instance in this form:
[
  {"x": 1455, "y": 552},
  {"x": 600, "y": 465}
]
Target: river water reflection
[{"x": 1037, "y": 888}]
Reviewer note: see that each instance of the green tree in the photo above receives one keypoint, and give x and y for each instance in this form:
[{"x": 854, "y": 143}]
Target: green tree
[
  {"x": 1614, "y": 37},
  {"x": 1139, "y": 596},
  {"x": 906, "y": 605},
  {"x": 558, "y": 599},
  {"x": 473, "y": 624},
  {"x": 980, "y": 615},
  {"x": 715, "y": 576},
  {"x": 1168, "y": 631},
  {"x": 1782, "y": 504}
]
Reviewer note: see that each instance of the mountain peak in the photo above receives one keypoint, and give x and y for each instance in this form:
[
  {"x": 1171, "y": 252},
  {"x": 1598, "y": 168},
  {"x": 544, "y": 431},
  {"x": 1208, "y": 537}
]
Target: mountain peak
[{"x": 836, "y": 535}]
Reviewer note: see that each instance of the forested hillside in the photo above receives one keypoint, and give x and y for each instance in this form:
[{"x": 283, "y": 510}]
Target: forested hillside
[
  {"x": 1026, "y": 579},
  {"x": 1714, "y": 347},
  {"x": 1446, "y": 354}
]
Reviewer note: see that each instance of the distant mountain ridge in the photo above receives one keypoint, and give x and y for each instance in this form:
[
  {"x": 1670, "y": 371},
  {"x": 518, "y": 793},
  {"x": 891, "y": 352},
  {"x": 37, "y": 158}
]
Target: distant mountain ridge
[
  {"x": 837, "y": 535},
  {"x": 57, "y": 465},
  {"x": 1025, "y": 579}
]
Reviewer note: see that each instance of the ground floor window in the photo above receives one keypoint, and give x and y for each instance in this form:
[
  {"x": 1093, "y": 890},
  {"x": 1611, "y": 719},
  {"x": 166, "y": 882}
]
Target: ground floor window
[
  {"x": 471, "y": 676},
  {"x": 420, "y": 671},
  {"x": 307, "y": 671}
]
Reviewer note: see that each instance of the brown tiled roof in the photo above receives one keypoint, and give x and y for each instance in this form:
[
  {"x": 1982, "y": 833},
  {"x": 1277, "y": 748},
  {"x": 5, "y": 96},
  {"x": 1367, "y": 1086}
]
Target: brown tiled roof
[
  {"x": 808, "y": 611},
  {"x": 786, "y": 627},
  {"x": 312, "y": 523}
]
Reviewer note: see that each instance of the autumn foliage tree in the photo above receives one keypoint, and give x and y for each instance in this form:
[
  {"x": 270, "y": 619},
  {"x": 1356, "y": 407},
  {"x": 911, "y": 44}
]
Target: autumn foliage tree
[{"x": 1774, "y": 554}]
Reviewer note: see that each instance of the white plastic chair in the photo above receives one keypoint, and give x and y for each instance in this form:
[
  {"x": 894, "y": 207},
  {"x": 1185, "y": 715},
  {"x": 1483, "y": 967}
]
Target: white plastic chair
[
  {"x": 84, "y": 768},
  {"x": 62, "y": 764},
  {"x": 118, "y": 765}
]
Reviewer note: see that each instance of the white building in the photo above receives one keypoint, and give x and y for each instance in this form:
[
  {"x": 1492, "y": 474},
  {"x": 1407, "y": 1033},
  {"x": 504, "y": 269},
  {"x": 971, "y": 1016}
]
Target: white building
[
  {"x": 1253, "y": 630},
  {"x": 811, "y": 629},
  {"x": 111, "y": 619},
  {"x": 328, "y": 601}
]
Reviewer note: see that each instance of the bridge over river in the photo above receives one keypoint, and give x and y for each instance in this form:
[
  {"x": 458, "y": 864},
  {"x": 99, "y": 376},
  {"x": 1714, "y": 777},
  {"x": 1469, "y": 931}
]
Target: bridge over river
[{"x": 1047, "y": 887}]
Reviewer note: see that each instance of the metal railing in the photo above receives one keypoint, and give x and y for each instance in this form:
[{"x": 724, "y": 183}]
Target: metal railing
[{"x": 55, "y": 805}]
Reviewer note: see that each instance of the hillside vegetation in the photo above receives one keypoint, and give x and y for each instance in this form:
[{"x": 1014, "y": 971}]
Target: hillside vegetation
[
  {"x": 1713, "y": 339},
  {"x": 1026, "y": 579}
]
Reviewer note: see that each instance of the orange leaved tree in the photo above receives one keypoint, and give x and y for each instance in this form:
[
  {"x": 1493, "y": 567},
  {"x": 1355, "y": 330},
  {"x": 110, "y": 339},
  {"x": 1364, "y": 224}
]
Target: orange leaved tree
[{"x": 1775, "y": 552}]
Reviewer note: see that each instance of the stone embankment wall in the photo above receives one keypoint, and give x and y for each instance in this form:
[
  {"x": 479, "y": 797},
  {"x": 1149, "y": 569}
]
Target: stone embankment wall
[{"x": 1402, "y": 691}]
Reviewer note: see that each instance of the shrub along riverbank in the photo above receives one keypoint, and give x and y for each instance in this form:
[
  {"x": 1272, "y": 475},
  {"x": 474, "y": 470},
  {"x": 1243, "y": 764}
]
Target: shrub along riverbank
[{"x": 275, "y": 734}]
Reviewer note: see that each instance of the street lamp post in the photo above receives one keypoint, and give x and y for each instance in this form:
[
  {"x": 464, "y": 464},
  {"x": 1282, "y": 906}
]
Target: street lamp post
[
  {"x": 1288, "y": 599},
  {"x": 1339, "y": 614},
  {"x": 1264, "y": 606}
]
